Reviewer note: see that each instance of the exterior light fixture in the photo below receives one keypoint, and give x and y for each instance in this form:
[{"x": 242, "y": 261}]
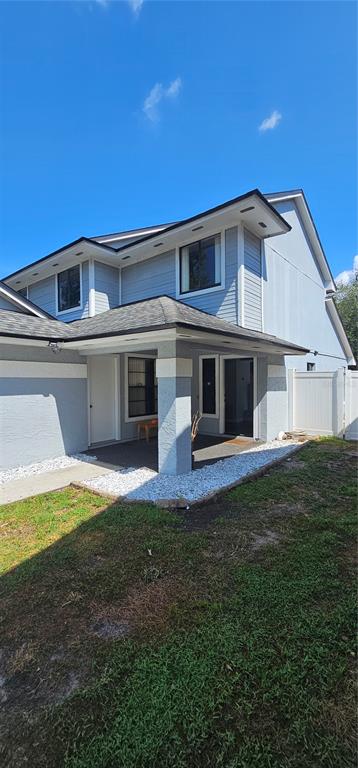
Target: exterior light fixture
[{"x": 54, "y": 347}]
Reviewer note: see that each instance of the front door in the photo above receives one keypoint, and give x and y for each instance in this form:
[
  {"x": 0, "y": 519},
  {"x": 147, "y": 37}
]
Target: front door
[
  {"x": 102, "y": 396},
  {"x": 239, "y": 396}
]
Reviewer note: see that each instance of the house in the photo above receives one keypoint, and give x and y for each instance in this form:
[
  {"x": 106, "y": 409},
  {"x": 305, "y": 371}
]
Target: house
[{"x": 205, "y": 314}]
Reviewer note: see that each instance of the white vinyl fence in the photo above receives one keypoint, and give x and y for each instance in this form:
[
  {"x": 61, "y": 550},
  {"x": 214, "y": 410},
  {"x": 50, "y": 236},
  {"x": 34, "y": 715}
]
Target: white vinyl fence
[{"x": 324, "y": 402}]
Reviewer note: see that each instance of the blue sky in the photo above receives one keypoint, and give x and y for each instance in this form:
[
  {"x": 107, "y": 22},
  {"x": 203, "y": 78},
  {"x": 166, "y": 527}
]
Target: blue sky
[{"x": 124, "y": 114}]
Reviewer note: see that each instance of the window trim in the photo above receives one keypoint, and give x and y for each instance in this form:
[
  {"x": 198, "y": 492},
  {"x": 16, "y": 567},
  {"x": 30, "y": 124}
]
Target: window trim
[
  {"x": 80, "y": 305},
  {"x": 189, "y": 241},
  {"x": 217, "y": 398},
  {"x": 132, "y": 419}
]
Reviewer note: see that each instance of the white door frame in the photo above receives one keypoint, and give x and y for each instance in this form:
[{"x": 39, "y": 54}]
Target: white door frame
[
  {"x": 116, "y": 399},
  {"x": 255, "y": 427}
]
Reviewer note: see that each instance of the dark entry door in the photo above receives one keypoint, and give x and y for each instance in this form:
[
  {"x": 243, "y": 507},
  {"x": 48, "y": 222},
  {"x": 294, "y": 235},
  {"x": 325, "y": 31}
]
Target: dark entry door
[{"x": 239, "y": 396}]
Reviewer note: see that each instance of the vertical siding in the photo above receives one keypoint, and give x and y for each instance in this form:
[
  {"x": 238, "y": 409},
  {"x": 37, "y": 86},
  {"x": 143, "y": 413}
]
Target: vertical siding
[
  {"x": 106, "y": 282},
  {"x": 43, "y": 293},
  {"x": 252, "y": 282}
]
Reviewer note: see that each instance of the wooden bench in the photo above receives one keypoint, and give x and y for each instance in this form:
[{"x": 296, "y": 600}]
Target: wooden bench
[{"x": 146, "y": 426}]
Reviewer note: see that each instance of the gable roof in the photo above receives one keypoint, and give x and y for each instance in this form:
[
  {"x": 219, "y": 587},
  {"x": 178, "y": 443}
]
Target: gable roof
[
  {"x": 155, "y": 314},
  {"x": 259, "y": 215},
  {"x": 24, "y": 304},
  {"x": 299, "y": 198}
]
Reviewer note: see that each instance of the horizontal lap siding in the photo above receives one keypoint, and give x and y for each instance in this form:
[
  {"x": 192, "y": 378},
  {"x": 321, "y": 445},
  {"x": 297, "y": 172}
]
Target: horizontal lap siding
[
  {"x": 43, "y": 293},
  {"x": 222, "y": 303},
  {"x": 154, "y": 277},
  {"x": 4, "y": 304},
  {"x": 252, "y": 282},
  {"x": 106, "y": 281}
]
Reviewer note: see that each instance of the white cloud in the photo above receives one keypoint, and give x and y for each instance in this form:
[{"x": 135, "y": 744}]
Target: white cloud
[
  {"x": 136, "y": 6},
  {"x": 270, "y": 122},
  {"x": 151, "y": 102},
  {"x": 348, "y": 275},
  {"x": 103, "y": 3},
  {"x": 156, "y": 95},
  {"x": 174, "y": 87}
]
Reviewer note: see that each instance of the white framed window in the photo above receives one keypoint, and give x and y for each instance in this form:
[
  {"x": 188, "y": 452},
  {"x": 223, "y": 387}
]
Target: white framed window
[
  {"x": 209, "y": 386},
  {"x": 201, "y": 266},
  {"x": 69, "y": 289},
  {"x": 141, "y": 387}
]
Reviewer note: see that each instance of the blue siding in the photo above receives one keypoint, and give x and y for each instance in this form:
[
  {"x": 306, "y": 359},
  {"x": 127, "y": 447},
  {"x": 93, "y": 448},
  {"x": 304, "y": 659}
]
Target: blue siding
[
  {"x": 106, "y": 281},
  {"x": 157, "y": 276},
  {"x": 222, "y": 303},
  {"x": 43, "y": 293},
  {"x": 252, "y": 282},
  {"x": 154, "y": 277}
]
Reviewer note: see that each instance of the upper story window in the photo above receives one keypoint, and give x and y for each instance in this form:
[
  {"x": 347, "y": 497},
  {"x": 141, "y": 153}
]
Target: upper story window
[
  {"x": 69, "y": 289},
  {"x": 200, "y": 265}
]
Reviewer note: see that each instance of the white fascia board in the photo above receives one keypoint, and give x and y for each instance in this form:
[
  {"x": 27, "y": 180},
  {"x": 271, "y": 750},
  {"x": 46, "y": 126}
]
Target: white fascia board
[
  {"x": 122, "y": 341},
  {"x": 63, "y": 259},
  {"x": 299, "y": 199},
  {"x": 20, "y": 301},
  {"x": 339, "y": 327}
]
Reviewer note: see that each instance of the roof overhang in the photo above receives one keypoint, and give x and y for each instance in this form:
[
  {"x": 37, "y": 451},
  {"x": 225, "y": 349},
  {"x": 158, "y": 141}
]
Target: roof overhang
[
  {"x": 297, "y": 195},
  {"x": 76, "y": 252},
  {"x": 20, "y": 302},
  {"x": 338, "y": 325},
  {"x": 252, "y": 210}
]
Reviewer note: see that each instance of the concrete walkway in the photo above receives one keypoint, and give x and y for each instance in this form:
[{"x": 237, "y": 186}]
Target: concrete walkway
[{"x": 24, "y": 487}]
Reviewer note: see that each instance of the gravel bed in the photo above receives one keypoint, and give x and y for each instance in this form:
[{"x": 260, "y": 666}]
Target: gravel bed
[
  {"x": 144, "y": 484},
  {"x": 7, "y": 475}
]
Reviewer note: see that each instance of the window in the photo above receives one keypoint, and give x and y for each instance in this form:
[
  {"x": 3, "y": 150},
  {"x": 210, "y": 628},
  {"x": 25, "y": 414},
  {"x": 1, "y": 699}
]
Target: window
[
  {"x": 311, "y": 366},
  {"x": 208, "y": 386},
  {"x": 142, "y": 387},
  {"x": 200, "y": 265},
  {"x": 69, "y": 289}
]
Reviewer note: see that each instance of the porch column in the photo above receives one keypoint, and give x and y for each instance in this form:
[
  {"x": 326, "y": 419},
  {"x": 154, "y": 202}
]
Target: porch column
[{"x": 174, "y": 414}]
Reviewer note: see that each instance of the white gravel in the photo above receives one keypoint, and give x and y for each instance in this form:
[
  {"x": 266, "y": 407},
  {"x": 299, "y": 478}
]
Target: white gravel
[
  {"x": 146, "y": 485},
  {"x": 7, "y": 475}
]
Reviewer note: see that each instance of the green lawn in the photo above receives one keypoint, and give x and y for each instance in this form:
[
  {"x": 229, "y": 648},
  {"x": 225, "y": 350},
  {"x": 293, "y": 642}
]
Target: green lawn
[{"x": 134, "y": 637}]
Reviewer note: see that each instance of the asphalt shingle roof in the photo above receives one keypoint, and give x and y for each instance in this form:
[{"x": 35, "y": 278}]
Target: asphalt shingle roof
[{"x": 148, "y": 315}]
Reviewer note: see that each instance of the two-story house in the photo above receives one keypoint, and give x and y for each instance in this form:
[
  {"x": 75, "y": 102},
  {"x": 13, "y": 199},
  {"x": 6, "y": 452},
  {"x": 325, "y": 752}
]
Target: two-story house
[{"x": 205, "y": 314}]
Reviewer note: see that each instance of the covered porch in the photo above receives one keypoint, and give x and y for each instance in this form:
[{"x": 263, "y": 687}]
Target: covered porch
[
  {"x": 207, "y": 449},
  {"x": 187, "y": 363}
]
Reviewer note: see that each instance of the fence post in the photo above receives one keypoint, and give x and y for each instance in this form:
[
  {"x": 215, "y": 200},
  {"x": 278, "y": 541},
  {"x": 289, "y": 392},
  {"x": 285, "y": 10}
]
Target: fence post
[
  {"x": 290, "y": 397},
  {"x": 338, "y": 403}
]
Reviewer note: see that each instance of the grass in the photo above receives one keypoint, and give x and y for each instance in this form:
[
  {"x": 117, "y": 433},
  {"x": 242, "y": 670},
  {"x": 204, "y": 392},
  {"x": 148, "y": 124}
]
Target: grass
[{"x": 239, "y": 631}]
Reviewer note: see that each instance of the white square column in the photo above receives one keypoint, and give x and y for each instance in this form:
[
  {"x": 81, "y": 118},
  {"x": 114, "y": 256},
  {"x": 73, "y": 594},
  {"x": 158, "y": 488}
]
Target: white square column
[{"x": 174, "y": 414}]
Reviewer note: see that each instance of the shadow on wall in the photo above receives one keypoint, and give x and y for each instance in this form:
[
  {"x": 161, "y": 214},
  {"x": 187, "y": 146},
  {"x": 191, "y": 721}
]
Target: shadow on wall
[{"x": 42, "y": 419}]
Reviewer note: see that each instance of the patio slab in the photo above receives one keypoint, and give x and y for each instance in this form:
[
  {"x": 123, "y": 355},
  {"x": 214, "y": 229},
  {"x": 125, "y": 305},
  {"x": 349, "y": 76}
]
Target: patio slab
[{"x": 139, "y": 453}]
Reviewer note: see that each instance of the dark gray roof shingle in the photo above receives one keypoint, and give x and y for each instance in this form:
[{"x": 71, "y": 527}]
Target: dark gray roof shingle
[{"x": 139, "y": 317}]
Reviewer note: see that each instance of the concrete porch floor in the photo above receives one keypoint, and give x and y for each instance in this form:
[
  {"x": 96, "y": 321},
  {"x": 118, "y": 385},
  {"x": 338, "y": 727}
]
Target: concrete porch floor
[{"x": 138, "y": 453}]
